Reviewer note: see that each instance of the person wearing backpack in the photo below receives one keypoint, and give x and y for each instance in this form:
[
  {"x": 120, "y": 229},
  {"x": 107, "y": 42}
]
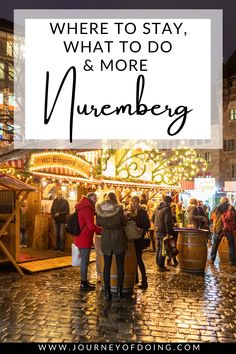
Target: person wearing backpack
[
  {"x": 222, "y": 225},
  {"x": 84, "y": 241}
]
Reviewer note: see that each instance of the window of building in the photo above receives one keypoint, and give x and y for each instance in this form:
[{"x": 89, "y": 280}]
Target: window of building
[
  {"x": 232, "y": 114},
  {"x": 200, "y": 155},
  {"x": 229, "y": 145},
  {"x": 233, "y": 171},
  {"x": 11, "y": 73},
  {"x": 2, "y": 71},
  {"x": 9, "y": 48},
  {"x": 208, "y": 174},
  {"x": 208, "y": 156}
]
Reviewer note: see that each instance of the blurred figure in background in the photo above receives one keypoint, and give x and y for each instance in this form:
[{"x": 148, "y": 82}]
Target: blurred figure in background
[
  {"x": 164, "y": 226},
  {"x": 59, "y": 211},
  {"x": 180, "y": 214},
  {"x": 223, "y": 218},
  {"x": 202, "y": 209},
  {"x": 143, "y": 199},
  {"x": 24, "y": 223},
  {"x": 173, "y": 212},
  {"x": 151, "y": 214},
  {"x": 195, "y": 218}
]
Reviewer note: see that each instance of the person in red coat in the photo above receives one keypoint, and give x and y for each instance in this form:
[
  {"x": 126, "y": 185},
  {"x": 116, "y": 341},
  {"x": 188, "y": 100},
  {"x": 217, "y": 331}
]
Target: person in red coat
[
  {"x": 84, "y": 241},
  {"x": 229, "y": 226},
  {"x": 229, "y": 220}
]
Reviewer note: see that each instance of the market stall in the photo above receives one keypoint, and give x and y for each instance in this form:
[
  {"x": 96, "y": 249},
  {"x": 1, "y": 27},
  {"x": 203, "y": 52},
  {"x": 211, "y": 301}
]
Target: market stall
[
  {"x": 127, "y": 172},
  {"x": 13, "y": 193}
]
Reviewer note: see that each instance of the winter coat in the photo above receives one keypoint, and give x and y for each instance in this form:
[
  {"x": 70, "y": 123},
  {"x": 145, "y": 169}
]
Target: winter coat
[
  {"x": 163, "y": 220},
  {"x": 141, "y": 219},
  {"x": 195, "y": 217},
  {"x": 216, "y": 217},
  {"x": 86, "y": 215},
  {"x": 112, "y": 219},
  {"x": 60, "y": 206},
  {"x": 229, "y": 222}
]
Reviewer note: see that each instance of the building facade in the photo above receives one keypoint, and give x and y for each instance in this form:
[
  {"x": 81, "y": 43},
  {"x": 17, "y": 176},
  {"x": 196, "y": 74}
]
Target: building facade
[
  {"x": 228, "y": 154},
  {"x": 7, "y": 100}
]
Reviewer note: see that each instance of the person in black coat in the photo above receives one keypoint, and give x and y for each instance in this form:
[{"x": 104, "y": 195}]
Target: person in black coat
[
  {"x": 60, "y": 209},
  {"x": 196, "y": 217},
  {"x": 140, "y": 217},
  {"x": 163, "y": 225}
]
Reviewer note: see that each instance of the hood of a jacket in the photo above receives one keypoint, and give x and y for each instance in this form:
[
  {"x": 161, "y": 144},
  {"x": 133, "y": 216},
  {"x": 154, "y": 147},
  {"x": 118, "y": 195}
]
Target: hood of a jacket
[
  {"x": 107, "y": 209},
  {"x": 222, "y": 208},
  {"x": 163, "y": 205},
  {"x": 191, "y": 206},
  {"x": 83, "y": 203}
]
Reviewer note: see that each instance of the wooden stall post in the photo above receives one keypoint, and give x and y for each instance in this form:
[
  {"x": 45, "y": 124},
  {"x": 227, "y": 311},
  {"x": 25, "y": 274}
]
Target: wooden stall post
[{"x": 10, "y": 184}]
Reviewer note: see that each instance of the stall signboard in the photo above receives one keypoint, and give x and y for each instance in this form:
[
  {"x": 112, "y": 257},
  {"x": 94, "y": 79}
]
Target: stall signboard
[
  {"x": 60, "y": 163},
  {"x": 204, "y": 184},
  {"x": 230, "y": 186}
]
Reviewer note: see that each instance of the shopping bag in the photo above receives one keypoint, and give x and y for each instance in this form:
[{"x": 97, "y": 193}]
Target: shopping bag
[
  {"x": 170, "y": 246},
  {"x": 76, "y": 256},
  {"x": 132, "y": 231}
]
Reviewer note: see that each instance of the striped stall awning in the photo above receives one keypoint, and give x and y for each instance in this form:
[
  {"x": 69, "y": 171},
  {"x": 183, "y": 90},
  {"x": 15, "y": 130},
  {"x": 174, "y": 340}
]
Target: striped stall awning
[
  {"x": 19, "y": 164},
  {"x": 63, "y": 171},
  {"x": 8, "y": 183},
  {"x": 187, "y": 185}
]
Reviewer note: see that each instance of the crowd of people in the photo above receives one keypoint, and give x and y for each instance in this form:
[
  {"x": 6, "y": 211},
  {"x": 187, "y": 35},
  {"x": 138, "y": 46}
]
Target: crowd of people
[{"x": 109, "y": 218}]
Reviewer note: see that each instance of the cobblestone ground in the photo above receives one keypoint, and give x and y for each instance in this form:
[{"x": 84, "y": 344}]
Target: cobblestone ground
[{"x": 176, "y": 307}]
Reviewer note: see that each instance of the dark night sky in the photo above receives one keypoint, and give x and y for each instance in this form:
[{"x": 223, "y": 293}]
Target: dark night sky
[{"x": 228, "y": 6}]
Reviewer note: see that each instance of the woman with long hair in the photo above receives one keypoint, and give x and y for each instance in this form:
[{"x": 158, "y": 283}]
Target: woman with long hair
[{"x": 110, "y": 216}]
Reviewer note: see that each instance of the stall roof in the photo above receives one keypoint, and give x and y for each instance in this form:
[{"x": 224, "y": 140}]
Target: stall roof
[{"x": 8, "y": 183}]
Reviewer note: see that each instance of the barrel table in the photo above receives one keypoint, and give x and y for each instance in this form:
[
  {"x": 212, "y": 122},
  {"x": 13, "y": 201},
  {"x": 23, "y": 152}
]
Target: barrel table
[
  {"x": 130, "y": 266},
  {"x": 223, "y": 249},
  {"x": 192, "y": 247}
]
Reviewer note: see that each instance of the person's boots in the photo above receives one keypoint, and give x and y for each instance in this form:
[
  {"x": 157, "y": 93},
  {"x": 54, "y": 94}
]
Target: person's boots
[
  {"x": 91, "y": 285},
  {"x": 119, "y": 293},
  {"x": 144, "y": 284},
  {"x": 153, "y": 244},
  {"x": 107, "y": 293},
  {"x": 175, "y": 261},
  {"x": 86, "y": 286}
]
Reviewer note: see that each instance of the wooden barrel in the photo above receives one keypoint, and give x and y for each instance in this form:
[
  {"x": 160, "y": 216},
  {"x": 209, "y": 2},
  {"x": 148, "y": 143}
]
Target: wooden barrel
[
  {"x": 192, "y": 246},
  {"x": 40, "y": 240},
  {"x": 130, "y": 266},
  {"x": 223, "y": 249}
]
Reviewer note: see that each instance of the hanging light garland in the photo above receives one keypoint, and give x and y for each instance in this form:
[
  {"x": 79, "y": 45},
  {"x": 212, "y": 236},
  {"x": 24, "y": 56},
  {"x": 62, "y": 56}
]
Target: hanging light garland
[{"x": 163, "y": 167}]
